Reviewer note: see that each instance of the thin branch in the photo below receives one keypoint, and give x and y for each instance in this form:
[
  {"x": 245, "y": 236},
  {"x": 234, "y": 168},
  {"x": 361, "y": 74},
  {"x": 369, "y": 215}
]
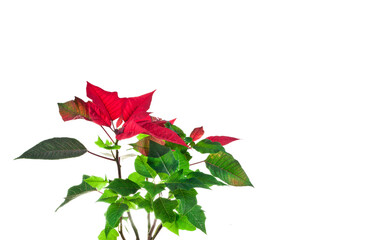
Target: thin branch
[
  {"x": 149, "y": 221},
  {"x": 152, "y": 228},
  {"x": 133, "y": 226},
  {"x": 121, "y": 229},
  {"x": 157, "y": 231},
  {"x": 108, "y": 134},
  {"x": 101, "y": 156},
  {"x": 196, "y": 163}
]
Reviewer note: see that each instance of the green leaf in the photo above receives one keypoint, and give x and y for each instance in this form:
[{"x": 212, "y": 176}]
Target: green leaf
[
  {"x": 172, "y": 226},
  {"x": 152, "y": 188},
  {"x": 156, "y": 150},
  {"x": 163, "y": 209},
  {"x": 124, "y": 187},
  {"x": 178, "y": 181},
  {"x": 182, "y": 159},
  {"x": 207, "y": 179},
  {"x": 207, "y": 146},
  {"x": 112, "y": 235},
  {"x": 108, "y": 145},
  {"x": 225, "y": 167},
  {"x": 55, "y": 148},
  {"x": 142, "y": 167},
  {"x": 108, "y": 196},
  {"x": 77, "y": 191},
  {"x": 164, "y": 164},
  {"x": 176, "y": 129},
  {"x": 187, "y": 199},
  {"x": 196, "y": 216},
  {"x": 96, "y": 182},
  {"x": 184, "y": 224},
  {"x": 137, "y": 178},
  {"x": 114, "y": 213}
]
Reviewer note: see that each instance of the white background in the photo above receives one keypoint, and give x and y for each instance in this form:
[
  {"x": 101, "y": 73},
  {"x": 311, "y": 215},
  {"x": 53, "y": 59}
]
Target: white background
[{"x": 296, "y": 81}]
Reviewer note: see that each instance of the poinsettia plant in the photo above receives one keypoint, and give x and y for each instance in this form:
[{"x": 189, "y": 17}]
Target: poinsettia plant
[{"x": 164, "y": 180}]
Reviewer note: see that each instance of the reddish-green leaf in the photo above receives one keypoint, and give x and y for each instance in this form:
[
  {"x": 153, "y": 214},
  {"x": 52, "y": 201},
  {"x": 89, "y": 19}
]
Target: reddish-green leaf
[
  {"x": 74, "y": 109},
  {"x": 225, "y": 167},
  {"x": 222, "y": 139},
  {"x": 197, "y": 133}
]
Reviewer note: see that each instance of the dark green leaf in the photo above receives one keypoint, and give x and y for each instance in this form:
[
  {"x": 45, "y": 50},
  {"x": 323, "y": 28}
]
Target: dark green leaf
[
  {"x": 164, "y": 164},
  {"x": 196, "y": 216},
  {"x": 207, "y": 146},
  {"x": 187, "y": 199},
  {"x": 207, "y": 179},
  {"x": 114, "y": 213},
  {"x": 108, "y": 196},
  {"x": 163, "y": 209},
  {"x": 77, "y": 191},
  {"x": 152, "y": 188},
  {"x": 124, "y": 187},
  {"x": 178, "y": 181},
  {"x": 55, "y": 148},
  {"x": 225, "y": 167},
  {"x": 182, "y": 159},
  {"x": 142, "y": 167},
  {"x": 176, "y": 129},
  {"x": 156, "y": 150}
]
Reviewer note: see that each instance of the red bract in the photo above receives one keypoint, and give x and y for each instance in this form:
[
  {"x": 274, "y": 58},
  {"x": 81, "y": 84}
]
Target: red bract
[
  {"x": 222, "y": 139},
  {"x": 106, "y": 107},
  {"x": 149, "y": 126},
  {"x": 197, "y": 133}
]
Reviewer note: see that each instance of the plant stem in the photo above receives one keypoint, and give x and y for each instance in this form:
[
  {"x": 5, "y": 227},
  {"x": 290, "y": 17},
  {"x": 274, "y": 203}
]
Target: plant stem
[
  {"x": 108, "y": 134},
  {"x": 121, "y": 230},
  {"x": 196, "y": 163},
  {"x": 133, "y": 226},
  {"x": 152, "y": 228},
  {"x": 157, "y": 231},
  {"x": 149, "y": 221},
  {"x": 100, "y": 156}
]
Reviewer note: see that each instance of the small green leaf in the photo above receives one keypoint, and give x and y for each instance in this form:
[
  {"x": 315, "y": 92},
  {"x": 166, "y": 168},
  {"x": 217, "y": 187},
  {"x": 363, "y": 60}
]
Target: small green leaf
[
  {"x": 207, "y": 146},
  {"x": 96, "y": 182},
  {"x": 124, "y": 187},
  {"x": 136, "y": 178},
  {"x": 152, "y": 188},
  {"x": 114, "y": 213},
  {"x": 77, "y": 191},
  {"x": 196, "y": 217},
  {"x": 163, "y": 209},
  {"x": 225, "y": 167},
  {"x": 112, "y": 235},
  {"x": 106, "y": 145},
  {"x": 108, "y": 196},
  {"x": 55, "y": 148},
  {"x": 142, "y": 167}
]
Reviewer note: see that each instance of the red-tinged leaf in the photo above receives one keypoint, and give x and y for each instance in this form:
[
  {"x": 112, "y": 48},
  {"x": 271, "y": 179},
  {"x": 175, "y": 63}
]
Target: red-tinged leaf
[
  {"x": 143, "y": 144},
  {"x": 160, "y": 132},
  {"x": 98, "y": 116},
  {"x": 119, "y": 122},
  {"x": 222, "y": 139},
  {"x": 74, "y": 109},
  {"x": 132, "y": 106},
  {"x": 197, "y": 133},
  {"x": 108, "y": 102}
]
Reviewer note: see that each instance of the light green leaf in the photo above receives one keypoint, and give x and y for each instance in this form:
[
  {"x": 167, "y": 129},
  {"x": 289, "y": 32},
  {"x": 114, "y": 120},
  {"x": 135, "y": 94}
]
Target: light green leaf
[
  {"x": 225, "y": 167},
  {"x": 142, "y": 167},
  {"x": 124, "y": 187},
  {"x": 136, "y": 178},
  {"x": 108, "y": 196},
  {"x": 184, "y": 224},
  {"x": 55, "y": 148},
  {"x": 112, "y": 235},
  {"x": 163, "y": 209},
  {"x": 96, "y": 182},
  {"x": 107, "y": 145},
  {"x": 77, "y": 191}
]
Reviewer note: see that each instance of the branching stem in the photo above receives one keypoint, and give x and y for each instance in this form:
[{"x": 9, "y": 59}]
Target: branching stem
[
  {"x": 100, "y": 156},
  {"x": 157, "y": 231}
]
